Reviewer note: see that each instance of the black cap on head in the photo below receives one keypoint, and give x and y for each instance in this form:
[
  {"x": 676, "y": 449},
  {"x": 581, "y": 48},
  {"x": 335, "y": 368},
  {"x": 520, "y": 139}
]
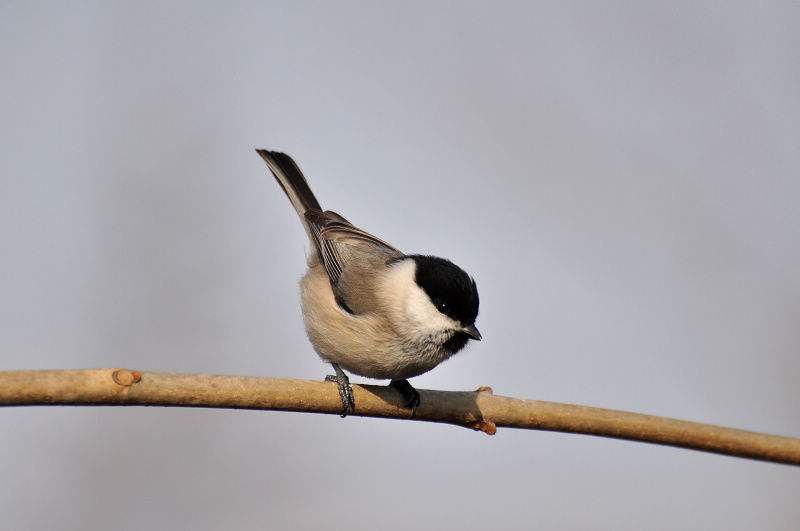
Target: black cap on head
[{"x": 450, "y": 289}]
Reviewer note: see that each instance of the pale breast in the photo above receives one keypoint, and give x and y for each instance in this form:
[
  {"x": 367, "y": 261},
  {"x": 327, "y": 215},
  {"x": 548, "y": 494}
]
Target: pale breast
[{"x": 364, "y": 344}]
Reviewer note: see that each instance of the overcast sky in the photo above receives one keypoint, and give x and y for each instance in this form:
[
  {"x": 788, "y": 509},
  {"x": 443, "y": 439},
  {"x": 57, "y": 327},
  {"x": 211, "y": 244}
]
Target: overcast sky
[{"x": 620, "y": 179}]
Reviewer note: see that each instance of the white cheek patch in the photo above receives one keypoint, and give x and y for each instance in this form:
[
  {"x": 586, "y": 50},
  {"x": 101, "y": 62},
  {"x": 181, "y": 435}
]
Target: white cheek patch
[
  {"x": 408, "y": 303},
  {"x": 420, "y": 309}
]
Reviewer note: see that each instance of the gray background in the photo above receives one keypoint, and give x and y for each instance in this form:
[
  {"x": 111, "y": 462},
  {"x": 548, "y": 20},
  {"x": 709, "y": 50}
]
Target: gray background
[{"x": 621, "y": 180}]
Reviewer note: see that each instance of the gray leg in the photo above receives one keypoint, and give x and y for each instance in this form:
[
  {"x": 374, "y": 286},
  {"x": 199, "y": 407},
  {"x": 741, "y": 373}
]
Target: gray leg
[
  {"x": 410, "y": 395},
  {"x": 345, "y": 390}
]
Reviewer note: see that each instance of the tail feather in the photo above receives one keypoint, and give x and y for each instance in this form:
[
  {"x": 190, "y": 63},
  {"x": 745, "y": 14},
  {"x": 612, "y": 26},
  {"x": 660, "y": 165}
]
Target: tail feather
[
  {"x": 292, "y": 181},
  {"x": 315, "y": 221}
]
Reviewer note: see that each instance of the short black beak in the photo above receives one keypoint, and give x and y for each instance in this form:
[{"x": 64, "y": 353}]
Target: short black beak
[{"x": 472, "y": 332}]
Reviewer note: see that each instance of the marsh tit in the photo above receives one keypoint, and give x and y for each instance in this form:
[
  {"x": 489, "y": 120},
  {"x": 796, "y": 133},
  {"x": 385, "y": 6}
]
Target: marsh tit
[{"x": 369, "y": 308}]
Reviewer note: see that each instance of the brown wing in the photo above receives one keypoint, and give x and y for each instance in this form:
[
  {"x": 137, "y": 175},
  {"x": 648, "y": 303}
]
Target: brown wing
[
  {"x": 352, "y": 257},
  {"x": 341, "y": 231},
  {"x": 333, "y": 231}
]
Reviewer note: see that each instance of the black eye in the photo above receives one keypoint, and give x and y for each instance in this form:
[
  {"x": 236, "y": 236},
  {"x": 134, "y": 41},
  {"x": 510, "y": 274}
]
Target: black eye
[{"x": 440, "y": 305}]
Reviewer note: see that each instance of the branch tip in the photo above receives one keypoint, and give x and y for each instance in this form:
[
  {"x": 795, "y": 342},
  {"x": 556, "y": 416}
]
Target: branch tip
[{"x": 486, "y": 426}]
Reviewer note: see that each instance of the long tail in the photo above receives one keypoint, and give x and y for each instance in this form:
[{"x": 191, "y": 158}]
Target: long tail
[
  {"x": 292, "y": 181},
  {"x": 311, "y": 215}
]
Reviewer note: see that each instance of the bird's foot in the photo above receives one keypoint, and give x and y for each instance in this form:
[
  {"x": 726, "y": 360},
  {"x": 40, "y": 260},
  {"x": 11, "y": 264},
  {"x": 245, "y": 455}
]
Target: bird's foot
[
  {"x": 410, "y": 395},
  {"x": 345, "y": 390}
]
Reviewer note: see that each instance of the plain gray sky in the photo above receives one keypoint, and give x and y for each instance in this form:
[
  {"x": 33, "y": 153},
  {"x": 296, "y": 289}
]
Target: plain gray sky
[{"x": 620, "y": 178}]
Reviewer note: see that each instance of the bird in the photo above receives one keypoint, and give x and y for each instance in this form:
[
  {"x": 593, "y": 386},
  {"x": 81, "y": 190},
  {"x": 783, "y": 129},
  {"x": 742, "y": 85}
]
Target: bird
[{"x": 368, "y": 308}]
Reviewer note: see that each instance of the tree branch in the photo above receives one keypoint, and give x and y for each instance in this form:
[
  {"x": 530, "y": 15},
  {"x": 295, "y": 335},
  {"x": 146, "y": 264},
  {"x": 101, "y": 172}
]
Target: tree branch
[{"x": 479, "y": 410}]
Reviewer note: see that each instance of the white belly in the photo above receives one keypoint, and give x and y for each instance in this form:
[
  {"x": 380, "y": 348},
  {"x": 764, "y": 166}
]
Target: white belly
[{"x": 366, "y": 345}]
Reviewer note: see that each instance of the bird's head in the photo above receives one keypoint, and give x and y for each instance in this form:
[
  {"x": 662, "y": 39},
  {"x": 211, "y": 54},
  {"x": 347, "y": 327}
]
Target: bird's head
[{"x": 441, "y": 299}]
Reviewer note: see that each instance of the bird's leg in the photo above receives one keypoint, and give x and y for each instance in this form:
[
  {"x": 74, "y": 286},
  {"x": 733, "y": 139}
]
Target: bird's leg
[
  {"x": 345, "y": 390},
  {"x": 410, "y": 395}
]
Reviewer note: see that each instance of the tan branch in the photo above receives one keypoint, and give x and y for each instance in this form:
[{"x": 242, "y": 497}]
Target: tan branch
[{"x": 480, "y": 410}]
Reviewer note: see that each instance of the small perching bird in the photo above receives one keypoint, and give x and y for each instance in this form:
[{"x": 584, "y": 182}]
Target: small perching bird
[{"x": 369, "y": 308}]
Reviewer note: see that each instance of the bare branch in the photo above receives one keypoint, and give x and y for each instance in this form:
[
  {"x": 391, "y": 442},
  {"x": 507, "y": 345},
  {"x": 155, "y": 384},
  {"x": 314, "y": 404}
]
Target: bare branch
[{"x": 479, "y": 410}]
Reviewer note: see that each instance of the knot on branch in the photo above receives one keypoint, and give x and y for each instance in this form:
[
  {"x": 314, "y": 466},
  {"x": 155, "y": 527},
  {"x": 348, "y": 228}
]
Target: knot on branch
[{"x": 126, "y": 378}]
